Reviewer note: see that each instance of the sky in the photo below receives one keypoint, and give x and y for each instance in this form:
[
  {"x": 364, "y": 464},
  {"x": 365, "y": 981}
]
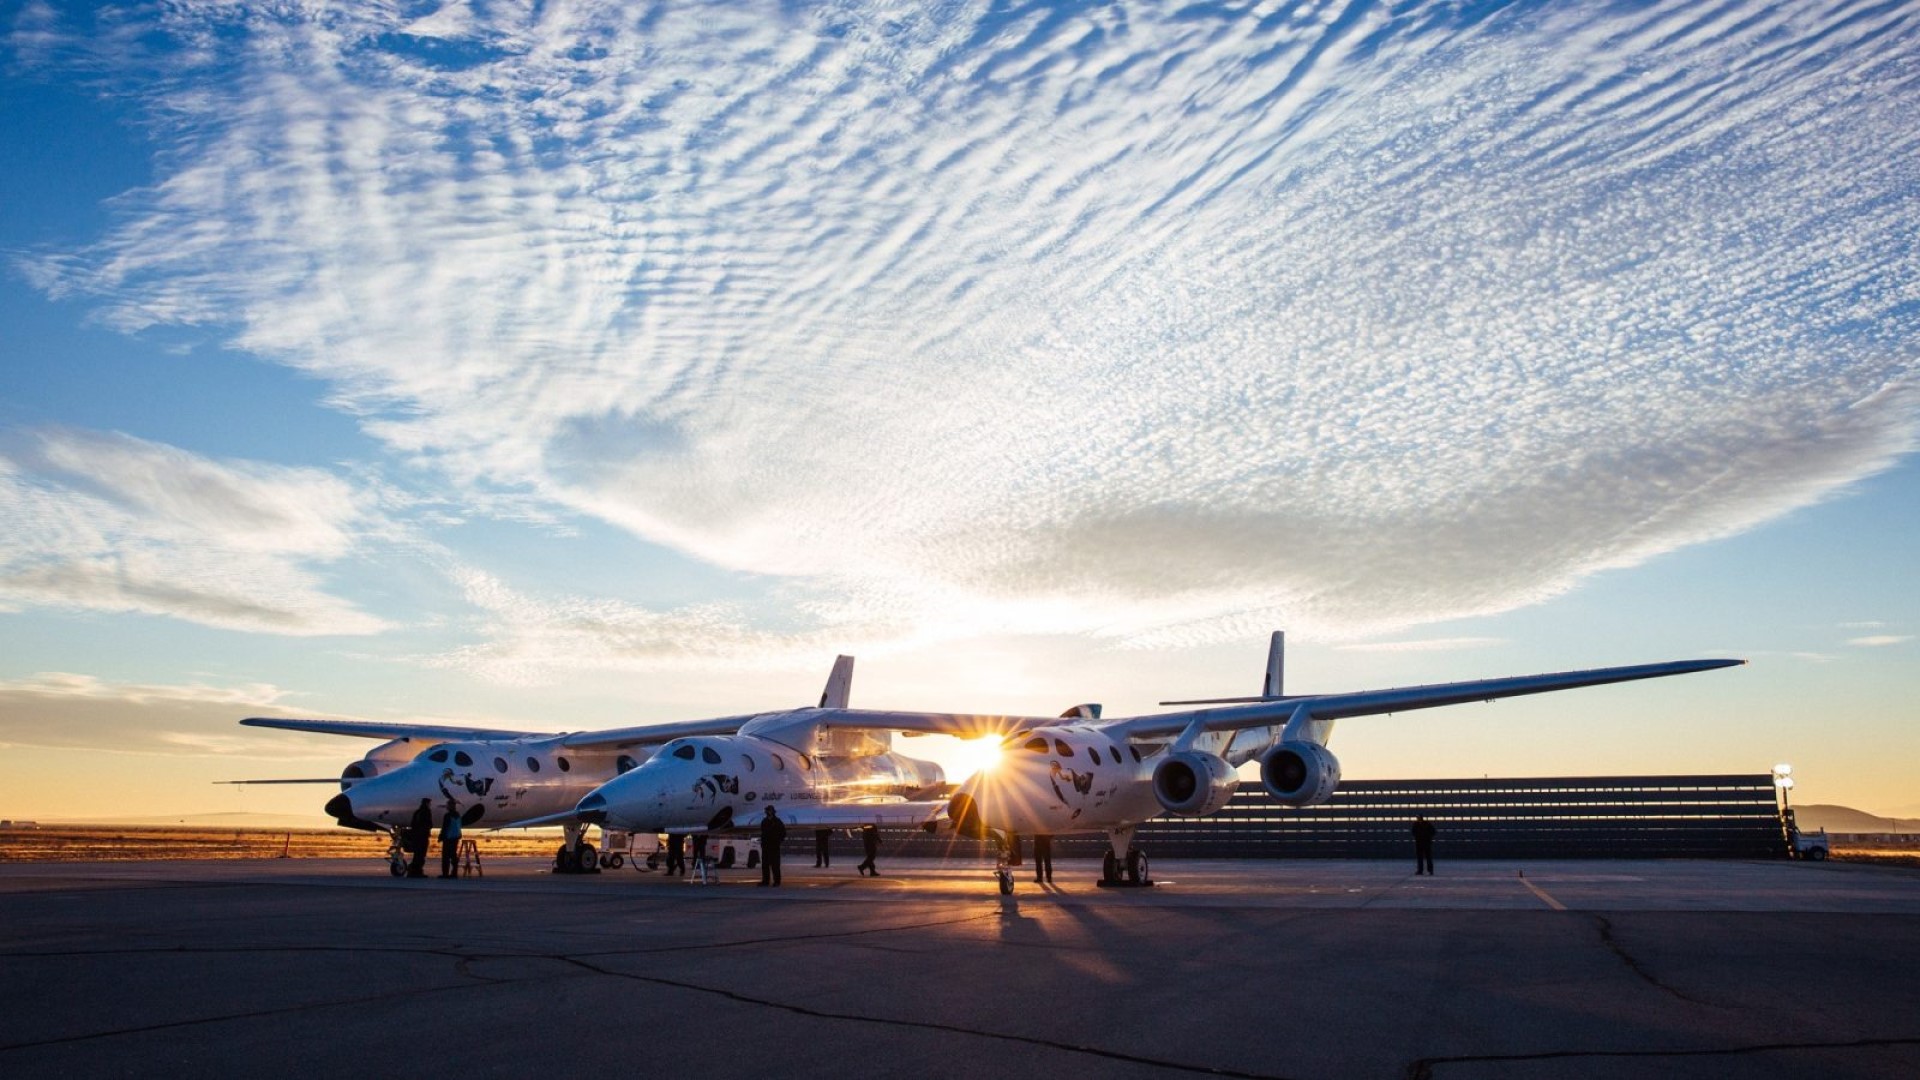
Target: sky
[{"x": 569, "y": 365}]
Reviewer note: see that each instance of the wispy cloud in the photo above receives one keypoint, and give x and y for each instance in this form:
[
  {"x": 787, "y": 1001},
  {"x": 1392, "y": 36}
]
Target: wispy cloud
[
  {"x": 1154, "y": 323},
  {"x": 65, "y": 710},
  {"x": 1433, "y": 645},
  {"x": 112, "y": 523},
  {"x": 527, "y": 640},
  {"x": 1876, "y": 641}
]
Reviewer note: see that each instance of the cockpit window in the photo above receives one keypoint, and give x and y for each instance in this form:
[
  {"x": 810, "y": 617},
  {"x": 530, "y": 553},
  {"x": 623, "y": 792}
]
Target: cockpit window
[
  {"x": 684, "y": 753},
  {"x": 461, "y": 757},
  {"x": 1060, "y": 747},
  {"x": 709, "y": 755},
  {"x": 1037, "y": 744},
  {"x": 624, "y": 764},
  {"x": 437, "y": 755},
  {"x": 499, "y": 764}
]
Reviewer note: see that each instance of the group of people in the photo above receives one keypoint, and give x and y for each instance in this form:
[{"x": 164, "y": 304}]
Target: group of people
[
  {"x": 419, "y": 837},
  {"x": 773, "y": 833}
]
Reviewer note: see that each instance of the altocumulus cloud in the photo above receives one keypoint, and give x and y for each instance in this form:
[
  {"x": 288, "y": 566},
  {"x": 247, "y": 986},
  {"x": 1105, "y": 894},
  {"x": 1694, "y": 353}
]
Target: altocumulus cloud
[
  {"x": 113, "y": 523},
  {"x": 1157, "y": 321}
]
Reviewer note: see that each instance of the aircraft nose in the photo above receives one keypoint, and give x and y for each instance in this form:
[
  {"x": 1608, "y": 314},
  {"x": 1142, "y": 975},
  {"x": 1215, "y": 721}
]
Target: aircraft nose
[{"x": 340, "y": 808}]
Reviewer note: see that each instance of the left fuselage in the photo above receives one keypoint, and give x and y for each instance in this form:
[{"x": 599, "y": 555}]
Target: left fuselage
[{"x": 495, "y": 782}]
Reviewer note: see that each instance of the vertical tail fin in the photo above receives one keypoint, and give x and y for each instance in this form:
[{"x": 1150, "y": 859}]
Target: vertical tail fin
[
  {"x": 839, "y": 684},
  {"x": 1276, "y": 666}
]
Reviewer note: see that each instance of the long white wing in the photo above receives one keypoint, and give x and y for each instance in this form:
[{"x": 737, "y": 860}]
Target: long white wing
[
  {"x": 1265, "y": 712},
  {"x": 373, "y": 729},
  {"x": 1402, "y": 699}
]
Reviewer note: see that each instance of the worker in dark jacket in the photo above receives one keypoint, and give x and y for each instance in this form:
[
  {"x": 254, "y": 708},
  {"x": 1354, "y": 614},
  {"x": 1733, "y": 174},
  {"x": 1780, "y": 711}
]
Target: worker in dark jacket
[
  {"x": 821, "y": 857},
  {"x": 1042, "y": 859},
  {"x": 772, "y": 832},
  {"x": 419, "y": 838},
  {"x": 450, "y": 841},
  {"x": 676, "y": 854},
  {"x": 870, "y": 847},
  {"x": 1423, "y": 846}
]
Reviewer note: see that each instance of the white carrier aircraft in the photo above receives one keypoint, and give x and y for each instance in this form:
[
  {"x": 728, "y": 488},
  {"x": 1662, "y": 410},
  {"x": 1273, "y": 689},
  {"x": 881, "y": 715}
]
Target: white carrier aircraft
[
  {"x": 499, "y": 778},
  {"x": 1074, "y": 773}
]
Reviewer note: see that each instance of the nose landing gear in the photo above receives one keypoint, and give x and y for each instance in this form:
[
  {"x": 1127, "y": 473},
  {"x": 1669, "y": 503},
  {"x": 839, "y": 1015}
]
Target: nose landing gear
[{"x": 576, "y": 856}]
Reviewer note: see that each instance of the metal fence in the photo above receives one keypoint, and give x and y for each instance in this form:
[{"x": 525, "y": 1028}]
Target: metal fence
[{"x": 1585, "y": 817}]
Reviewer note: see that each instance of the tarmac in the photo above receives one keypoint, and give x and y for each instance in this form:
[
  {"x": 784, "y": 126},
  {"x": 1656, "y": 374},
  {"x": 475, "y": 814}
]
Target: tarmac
[{"x": 1314, "y": 970}]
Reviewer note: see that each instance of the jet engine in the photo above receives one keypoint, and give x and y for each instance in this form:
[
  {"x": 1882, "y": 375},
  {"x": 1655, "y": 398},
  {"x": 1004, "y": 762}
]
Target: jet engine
[
  {"x": 1299, "y": 773},
  {"x": 384, "y": 758},
  {"x": 1193, "y": 784}
]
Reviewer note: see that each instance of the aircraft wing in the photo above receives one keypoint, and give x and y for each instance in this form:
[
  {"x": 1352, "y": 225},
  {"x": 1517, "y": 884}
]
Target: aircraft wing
[
  {"x": 371, "y": 729},
  {"x": 850, "y": 815},
  {"x": 960, "y": 725},
  {"x": 652, "y": 734},
  {"x": 1402, "y": 699}
]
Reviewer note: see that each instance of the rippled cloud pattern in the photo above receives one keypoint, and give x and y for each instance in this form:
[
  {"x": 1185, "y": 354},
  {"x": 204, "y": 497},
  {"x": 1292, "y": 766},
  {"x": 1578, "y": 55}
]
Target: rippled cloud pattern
[{"x": 1165, "y": 322}]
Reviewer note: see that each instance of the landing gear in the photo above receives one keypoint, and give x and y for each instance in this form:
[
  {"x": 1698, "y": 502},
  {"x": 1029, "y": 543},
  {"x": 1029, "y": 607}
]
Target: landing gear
[
  {"x": 576, "y": 856},
  {"x": 1003, "y": 862},
  {"x": 396, "y": 855},
  {"x": 1124, "y": 866}
]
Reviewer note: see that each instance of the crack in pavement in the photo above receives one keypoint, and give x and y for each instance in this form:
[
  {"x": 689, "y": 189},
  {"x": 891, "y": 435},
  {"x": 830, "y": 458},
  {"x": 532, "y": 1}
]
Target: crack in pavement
[
  {"x": 1422, "y": 1068},
  {"x": 1607, "y": 939},
  {"x": 920, "y": 1025}
]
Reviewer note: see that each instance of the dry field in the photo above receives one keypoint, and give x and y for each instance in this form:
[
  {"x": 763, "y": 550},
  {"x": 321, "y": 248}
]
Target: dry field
[{"x": 96, "y": 843}]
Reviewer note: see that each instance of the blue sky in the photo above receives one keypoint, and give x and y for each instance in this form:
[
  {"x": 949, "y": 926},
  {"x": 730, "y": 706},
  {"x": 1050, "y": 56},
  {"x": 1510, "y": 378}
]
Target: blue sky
[{"x": 563, "y": 367}]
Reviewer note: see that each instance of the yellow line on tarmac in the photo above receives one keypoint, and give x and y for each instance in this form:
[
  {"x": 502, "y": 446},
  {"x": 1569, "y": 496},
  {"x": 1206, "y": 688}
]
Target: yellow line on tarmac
[{"x": 1541, "y": 893}]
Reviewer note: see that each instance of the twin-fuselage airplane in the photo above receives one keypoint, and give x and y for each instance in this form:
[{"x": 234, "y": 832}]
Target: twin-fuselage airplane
[{"x": 831, "y": 766}]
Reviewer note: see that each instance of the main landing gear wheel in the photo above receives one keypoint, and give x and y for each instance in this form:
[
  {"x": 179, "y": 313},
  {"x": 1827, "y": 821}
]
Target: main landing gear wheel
[
  {"x": 1006, "y": 881},
  {"x": 397, "y": 866},
  {"x": 1133, "y": 873}
]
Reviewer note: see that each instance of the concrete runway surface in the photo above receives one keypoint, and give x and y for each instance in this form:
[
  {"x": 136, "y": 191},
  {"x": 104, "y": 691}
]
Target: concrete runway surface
[{"x": 1312, "y": 969}]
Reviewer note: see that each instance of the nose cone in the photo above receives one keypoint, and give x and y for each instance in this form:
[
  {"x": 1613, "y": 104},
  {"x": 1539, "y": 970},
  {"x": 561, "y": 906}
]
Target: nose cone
[{"x": 340, "y": 808}]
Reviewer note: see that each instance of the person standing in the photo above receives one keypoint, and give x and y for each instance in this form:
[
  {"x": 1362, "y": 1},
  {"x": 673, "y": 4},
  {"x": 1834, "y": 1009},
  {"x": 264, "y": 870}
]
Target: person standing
[
  {"x": 821, "y": 858},
  {"x": 419, "y": 837},
  {"x": 1423, "y": 831},
  {"x": 870, "y": 847},
  {"x": 1042, "y": 859},
  {"x": 772, "y": 832},
  {"x": 450, "y": 841},
  {"x": 676, "y": 854}
]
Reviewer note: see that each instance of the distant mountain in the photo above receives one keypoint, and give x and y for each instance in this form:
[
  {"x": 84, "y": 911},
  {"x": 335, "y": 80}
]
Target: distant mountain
[{"x": 1845, "y": 819}]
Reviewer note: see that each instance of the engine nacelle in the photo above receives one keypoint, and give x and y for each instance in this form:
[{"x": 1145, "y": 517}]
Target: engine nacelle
[
  {"x": 1192, "y": 784},
  {"x": 1299, "y": 773}
]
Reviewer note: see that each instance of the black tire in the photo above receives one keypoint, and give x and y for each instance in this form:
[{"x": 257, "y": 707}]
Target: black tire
[
  {"x": 1006, "y": 882},
  {"x": 1109, "y": 867},
  {"x": 563, "y": 861},
  {"x": 1818, "y": 854},
  {"x": 397, "y": 867},
  {"x": 614, "y": 861},
  {"x": 589, "y": 859},
  {"x": 653, "y": 862}
]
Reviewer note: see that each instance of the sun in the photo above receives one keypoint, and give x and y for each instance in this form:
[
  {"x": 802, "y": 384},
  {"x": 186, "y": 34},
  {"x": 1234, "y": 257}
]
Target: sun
[{"x": 975, "y": 755}]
